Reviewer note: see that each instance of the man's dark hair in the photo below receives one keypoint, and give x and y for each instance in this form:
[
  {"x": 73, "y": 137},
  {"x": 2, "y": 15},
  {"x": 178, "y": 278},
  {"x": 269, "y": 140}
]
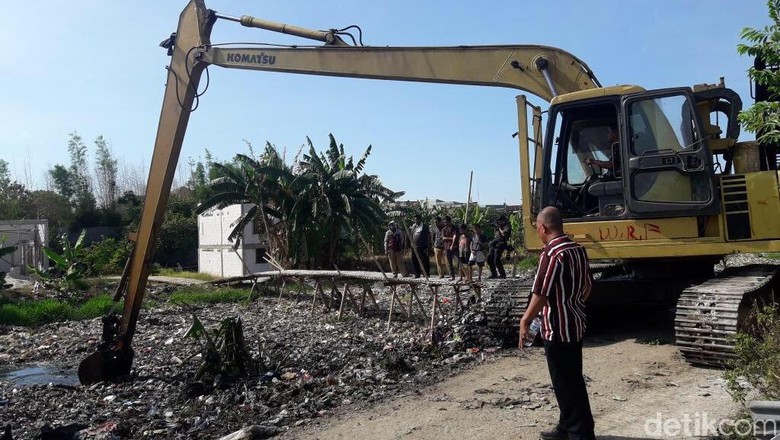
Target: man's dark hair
[
  {"x": 447, "y": 218},
  {"x": 438, "y": 219}
]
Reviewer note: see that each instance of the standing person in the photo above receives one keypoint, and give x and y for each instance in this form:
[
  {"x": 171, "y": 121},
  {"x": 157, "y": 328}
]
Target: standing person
[
  {"x": 438, "y": 247},
  {"x": 463, "y": 253},
  {"x": 394, "y": 248},
  {"x": 421, "y": 239},
  {"x": 450, "y": 236},
  {"x": 477, "y": 253},
  {"x": 503, "y": 231},
  {"x": 563, "y": 282}
]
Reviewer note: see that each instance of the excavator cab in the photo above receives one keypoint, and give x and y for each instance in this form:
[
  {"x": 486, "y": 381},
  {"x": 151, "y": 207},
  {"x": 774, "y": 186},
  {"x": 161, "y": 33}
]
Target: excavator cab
[{"x": 656, "y": 164}]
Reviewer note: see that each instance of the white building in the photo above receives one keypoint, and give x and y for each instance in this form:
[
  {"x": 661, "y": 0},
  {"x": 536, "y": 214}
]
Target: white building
[
  {"x": 216, "y": 255},
  {"x": 29, "y": 237}
]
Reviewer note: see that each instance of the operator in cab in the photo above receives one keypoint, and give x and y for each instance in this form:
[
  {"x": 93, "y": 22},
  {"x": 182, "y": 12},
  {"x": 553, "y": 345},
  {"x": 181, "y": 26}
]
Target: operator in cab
[{"x": 612, "y": 138}]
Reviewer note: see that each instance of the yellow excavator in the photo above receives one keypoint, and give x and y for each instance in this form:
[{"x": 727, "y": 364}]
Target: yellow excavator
[{"x": 654, "y": 182}]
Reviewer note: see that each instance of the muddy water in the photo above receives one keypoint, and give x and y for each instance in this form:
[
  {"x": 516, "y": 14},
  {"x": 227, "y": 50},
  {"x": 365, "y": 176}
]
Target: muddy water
[{"x": 40, "y": 375}]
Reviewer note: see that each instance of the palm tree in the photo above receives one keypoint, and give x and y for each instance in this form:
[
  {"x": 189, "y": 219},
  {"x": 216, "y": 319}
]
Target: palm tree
[
  {"x": 310, "y": 211},
  {"x": 344, "y": 202},
  {"x": 263, "y": 183}
]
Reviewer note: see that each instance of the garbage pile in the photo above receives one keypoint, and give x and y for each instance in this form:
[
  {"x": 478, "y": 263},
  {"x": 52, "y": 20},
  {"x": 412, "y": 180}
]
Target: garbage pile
[{"x": 308, "y": 364}]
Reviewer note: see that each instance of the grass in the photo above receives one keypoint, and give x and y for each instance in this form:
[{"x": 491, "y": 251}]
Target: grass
[
  {"x": 35, "y": 313},
  {"x": 772, "y": 255},
  {"x": 204, "y": 295},
  {"x": 168, "y": 272},
  {"x": 528, "y": 262}
]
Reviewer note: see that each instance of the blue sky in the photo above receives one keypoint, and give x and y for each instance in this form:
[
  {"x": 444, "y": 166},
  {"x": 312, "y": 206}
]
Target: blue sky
[{"x": 94, "y": 67}]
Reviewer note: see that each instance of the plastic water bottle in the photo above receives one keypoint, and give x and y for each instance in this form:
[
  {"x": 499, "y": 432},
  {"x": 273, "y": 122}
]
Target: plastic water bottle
[{"x": 536, "y": 325}]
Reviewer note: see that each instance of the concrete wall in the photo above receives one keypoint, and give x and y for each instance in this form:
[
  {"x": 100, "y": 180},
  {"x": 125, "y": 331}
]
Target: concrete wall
[
  {"x": 29, "y": 237},
  {"x": 215, "y": 252}
]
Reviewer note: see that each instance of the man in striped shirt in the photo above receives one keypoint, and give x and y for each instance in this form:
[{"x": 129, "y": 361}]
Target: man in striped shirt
[{"x": 563, "y": 282}]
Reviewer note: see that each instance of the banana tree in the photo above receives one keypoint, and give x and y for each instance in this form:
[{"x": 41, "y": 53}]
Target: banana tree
[{"x": 69, "y": 270}]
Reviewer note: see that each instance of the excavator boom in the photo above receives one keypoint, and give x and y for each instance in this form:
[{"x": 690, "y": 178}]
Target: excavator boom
[
  {"x": 523, "y": 67},
  {"x": 539, "y": 70}
]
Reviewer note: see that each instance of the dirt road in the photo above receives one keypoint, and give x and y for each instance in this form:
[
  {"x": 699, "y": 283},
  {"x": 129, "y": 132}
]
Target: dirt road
[{"x": 631, "y": 384}]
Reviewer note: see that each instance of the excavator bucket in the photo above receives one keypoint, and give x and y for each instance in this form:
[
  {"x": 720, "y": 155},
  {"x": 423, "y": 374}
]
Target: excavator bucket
[
  {"x": 111, "y": 361},
  {"x": 105, "y": 366}
]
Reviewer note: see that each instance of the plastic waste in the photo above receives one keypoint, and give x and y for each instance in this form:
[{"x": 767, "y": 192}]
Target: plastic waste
[{"x": 535, "y": 326}]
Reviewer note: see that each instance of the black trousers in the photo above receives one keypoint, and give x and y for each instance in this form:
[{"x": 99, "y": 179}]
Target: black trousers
[
  {"x": 450, "y": 263},
  {"x": 426, "y": 261},
  {"x": 564, "y": 360},
  {"x": 494, "y": 262}
]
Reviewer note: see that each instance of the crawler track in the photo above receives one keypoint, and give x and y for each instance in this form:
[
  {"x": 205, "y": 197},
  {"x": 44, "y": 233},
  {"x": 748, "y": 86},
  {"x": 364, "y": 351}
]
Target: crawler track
[
  {"x": 506, "y": 302},
  {"x": 711, "y": 313}
]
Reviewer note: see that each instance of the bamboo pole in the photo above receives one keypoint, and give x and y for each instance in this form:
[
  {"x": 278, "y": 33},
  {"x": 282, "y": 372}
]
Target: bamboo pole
[
  {"x": 415, "y": 254},
  {"x": 417, "y": 298},
  {"x": 343, "y": 297},
  {"x": 351, "y": 297},
  {"x": 437, "y": 304},
  {"x": 362, "y": 302},
  {"x": 411, "y": 303},
  {"x": 468, "y": 199},
  {"x": 373, "y": 257},
  {"x": 317, "y": 288},
  {"x": 433, "y": 308},
  {"x": 392, "y": 303},
  {"x": 368, "y": 290}
]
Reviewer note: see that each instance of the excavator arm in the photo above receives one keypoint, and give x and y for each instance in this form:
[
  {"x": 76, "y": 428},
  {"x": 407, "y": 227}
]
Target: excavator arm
[
  {"x": 539, "y": 70},
  {"x": 520, "y": 67}
]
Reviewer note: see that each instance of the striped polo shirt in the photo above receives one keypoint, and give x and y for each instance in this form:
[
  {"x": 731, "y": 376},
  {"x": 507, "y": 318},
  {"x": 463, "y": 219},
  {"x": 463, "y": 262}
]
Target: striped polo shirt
[{"x": 564, "y": 278}]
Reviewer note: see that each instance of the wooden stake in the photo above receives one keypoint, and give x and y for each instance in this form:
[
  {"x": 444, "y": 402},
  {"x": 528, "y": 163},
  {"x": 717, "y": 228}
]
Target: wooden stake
[
  {"x": 392, "y": 303},
  {"x": 411, "y": 302},
  {"x": 456, "y": 288},
  {"x": 317, "y": 288},
  {"x": 437, "y": 303},
  {"x": 343, "y": 296},
  {"x": 373, "y": 257},
  {"x": 433, "y": 309},
  {"x": 362, "y": 302},
  {"x": 419, "y": 302},
  {"x": 351, "y": 298},
  {"x": 370, "y": 292}
]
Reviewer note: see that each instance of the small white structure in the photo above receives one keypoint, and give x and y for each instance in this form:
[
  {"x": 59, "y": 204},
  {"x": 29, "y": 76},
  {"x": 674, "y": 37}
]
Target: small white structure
[
  {"x": 216, "y": 255},
  {"x": 29, "y": 237}
]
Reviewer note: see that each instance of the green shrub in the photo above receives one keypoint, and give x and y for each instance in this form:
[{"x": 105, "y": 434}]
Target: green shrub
[
  {"x": 757, "y": 365},
  {"x": 106, "y": 257}
]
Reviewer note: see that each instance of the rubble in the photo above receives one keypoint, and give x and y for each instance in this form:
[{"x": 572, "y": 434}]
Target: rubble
[{"x": 310, "y": 365}]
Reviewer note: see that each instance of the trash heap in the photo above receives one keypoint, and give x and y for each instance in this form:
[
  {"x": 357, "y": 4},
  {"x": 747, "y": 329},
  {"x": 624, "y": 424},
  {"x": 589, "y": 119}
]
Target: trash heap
[{"x": 306, "y": 365}]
